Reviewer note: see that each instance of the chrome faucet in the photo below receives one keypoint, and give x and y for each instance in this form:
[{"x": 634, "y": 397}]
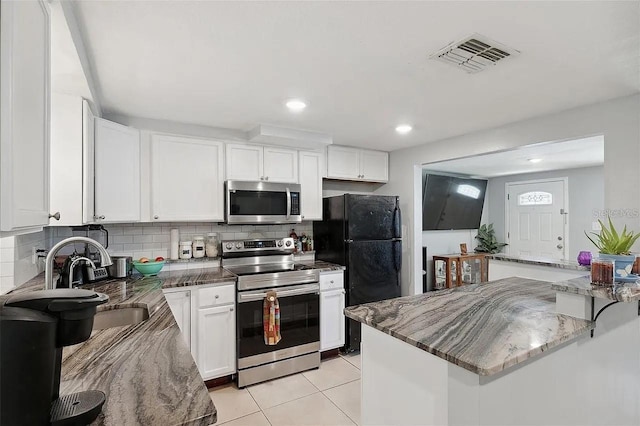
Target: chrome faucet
[{"x": 105, "y": 259}]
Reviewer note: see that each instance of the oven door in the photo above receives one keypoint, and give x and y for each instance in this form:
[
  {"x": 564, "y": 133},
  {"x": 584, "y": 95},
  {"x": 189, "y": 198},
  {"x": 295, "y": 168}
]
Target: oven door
[
  {"x": 261, "y": 202},
  {"x": 299, "y": 325}
]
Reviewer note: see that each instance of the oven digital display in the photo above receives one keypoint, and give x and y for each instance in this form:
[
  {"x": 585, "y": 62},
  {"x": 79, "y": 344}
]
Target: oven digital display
[{"x": 259, "y": 244}]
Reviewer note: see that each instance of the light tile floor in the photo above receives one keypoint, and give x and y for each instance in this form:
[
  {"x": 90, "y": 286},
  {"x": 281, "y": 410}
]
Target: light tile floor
[{"x": 329, "y": 395}]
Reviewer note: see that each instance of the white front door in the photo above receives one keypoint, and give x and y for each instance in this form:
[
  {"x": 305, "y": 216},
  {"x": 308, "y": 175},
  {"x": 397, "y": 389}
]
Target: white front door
[{"x": 536, "y": 216}]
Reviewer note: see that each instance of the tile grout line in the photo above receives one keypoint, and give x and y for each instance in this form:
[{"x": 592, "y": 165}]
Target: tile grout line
[{"x": 339, "y": 409}]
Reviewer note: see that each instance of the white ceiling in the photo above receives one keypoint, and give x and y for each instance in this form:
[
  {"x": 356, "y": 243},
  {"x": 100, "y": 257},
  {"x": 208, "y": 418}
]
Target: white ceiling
[
  {"x": 585, "y": 152},
  {"x": 362, "y": 67}
]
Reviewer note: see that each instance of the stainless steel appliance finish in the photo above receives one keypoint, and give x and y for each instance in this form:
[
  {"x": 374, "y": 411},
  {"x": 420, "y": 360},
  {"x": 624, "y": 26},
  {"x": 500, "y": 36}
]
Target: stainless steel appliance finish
[
  {"x": 262, "y": 202},
  {"x": 263, "y": 265},
  {"x": 121, "y": 266}
]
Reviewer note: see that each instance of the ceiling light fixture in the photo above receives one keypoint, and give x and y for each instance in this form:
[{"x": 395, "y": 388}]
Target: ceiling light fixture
[
  {"x": 535, "y": 160},
  {"x": 403, "y": 129},
  {"x": 296, "y": 105}
]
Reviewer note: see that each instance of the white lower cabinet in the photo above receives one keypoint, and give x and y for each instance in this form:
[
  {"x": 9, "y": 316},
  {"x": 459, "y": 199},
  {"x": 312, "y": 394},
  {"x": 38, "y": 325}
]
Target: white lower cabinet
[
  {"x": 180, "y": 303},
  {"x": 207, "y": 319},
  {"x": 332, "y": 302}
]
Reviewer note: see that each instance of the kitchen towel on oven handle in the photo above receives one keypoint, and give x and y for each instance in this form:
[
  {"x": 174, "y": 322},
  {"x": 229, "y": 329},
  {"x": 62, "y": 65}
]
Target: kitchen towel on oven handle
[{"x": 271, "y": 319}]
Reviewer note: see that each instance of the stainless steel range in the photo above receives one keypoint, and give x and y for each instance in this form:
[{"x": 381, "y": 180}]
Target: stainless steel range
[{"x": 263, "y": 265}]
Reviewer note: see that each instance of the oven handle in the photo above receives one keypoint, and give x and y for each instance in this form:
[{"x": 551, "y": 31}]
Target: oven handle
[
  {"x": 288, "y": 203},
  {"x": 292, "y": 291}
]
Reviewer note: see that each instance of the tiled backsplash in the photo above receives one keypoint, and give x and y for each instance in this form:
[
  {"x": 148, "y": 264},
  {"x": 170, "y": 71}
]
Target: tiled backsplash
[
  {"x": 153, "y": 239},
  {"x": 16, "y": 259}
]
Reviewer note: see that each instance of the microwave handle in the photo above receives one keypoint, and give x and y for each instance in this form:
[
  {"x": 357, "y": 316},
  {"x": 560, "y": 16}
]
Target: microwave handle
[{"x": 288, "y": 203}]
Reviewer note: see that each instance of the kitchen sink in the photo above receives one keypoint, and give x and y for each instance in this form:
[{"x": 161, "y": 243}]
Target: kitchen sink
[{"x": 120, "y": 317}]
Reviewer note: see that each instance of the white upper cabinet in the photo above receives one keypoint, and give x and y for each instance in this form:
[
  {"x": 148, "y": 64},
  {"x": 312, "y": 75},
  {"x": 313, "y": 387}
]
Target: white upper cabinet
[
  {"x": 280, "y": 165},
  {"x": 117, "y": 172},
  {"x": 255, "y": 163},
  {"x": 374, "y": 165},
  {"x": 244, "y": 162},
  {"x": 71, "y": 160},
  {"x": 199, "y": 197},
  {"x": 357, "y": 164},
  {"x": 25, "y": 39},
  {"x": 311, "y": 185}
]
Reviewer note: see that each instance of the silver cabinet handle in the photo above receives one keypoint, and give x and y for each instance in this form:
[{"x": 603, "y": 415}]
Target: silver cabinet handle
[
  {"x": 261, "y": 177},
  {"x": 293, "y": 291},
  {"x": 56, "y": 215},
  {"x": 99, "y": 217},
  {"x": 331, "y": 281},
  {"x": 217, "y": 296},
  {"x": 155, "y": 217},
  {"x": 266, "y": 178},
  {"x": 559, "y": 238},
  {"x": 231, "y": 310},
  {"x": 559, "y": 246}
]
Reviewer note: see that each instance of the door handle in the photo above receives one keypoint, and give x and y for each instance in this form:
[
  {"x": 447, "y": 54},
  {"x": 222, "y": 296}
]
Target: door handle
[{"x": 559, "y": 246}]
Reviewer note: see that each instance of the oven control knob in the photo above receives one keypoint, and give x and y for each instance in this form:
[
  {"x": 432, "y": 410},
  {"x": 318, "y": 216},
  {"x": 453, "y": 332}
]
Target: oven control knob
[
  {"x": 229, "y": 246},
  {"x": 280, "y": 243},
  {"x": 288, "y": 243},
  {"x": 238, "y": 245}
]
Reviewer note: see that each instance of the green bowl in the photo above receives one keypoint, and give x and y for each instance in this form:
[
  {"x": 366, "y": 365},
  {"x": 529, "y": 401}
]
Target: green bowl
[{"x": 149, "y": 268}]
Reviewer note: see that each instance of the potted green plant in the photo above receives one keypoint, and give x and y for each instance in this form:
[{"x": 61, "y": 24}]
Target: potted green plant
[
  {"x": 616, "y": 246},
  {"x": 487, "y": 241}
]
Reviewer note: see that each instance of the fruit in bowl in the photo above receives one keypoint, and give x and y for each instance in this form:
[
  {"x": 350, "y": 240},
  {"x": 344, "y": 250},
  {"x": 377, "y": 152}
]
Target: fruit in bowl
[{"x": 147, "y": 267}]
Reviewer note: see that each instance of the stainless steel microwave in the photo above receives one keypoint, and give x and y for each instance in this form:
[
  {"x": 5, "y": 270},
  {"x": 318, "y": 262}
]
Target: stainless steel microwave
[{"x": 262, "y": 202}]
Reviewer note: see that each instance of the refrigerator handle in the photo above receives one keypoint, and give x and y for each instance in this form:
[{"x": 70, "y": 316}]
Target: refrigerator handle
[
  {"x": 397, "y": 256},
  {"x": 397, "y": 222}
]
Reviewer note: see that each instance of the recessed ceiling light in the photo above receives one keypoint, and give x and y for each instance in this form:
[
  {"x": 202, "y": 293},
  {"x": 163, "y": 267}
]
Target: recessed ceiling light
[
  {"x": 296, "y": 105},
  {"x": 403, "y": 129},
  {"x": 535, "y": 160}
]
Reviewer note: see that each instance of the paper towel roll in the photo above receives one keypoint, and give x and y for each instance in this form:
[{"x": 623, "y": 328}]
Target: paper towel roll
[{"x": 175, "y": 242}]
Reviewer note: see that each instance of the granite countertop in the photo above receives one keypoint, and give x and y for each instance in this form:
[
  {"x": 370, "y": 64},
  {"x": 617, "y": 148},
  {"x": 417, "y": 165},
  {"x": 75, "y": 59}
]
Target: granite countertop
[
  {"x": 620, "y": 292},
  {"x": 323, "y": 266},
  {"x": 484, "y": 328},
  {"x": 146, "y": 370},
  {"x": 554, "y": 263}
]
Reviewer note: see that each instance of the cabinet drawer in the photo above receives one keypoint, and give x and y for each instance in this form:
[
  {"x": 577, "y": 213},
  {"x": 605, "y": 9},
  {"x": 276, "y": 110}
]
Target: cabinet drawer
[
  {"x": 214, "y": 296},
  {"x": 331, "y": 281}
]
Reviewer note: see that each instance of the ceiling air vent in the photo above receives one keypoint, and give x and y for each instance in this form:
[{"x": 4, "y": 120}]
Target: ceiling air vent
[{"x": 474, "y": 53}]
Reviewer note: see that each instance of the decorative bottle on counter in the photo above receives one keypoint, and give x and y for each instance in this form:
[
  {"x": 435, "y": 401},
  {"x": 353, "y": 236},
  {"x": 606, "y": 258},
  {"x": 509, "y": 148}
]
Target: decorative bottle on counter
[
  {"x": 185, "y": 249},
  {"x": 212, "y": 244},
  {"x": 295, "y": 240},
  {"x": 198, "y": 247}
]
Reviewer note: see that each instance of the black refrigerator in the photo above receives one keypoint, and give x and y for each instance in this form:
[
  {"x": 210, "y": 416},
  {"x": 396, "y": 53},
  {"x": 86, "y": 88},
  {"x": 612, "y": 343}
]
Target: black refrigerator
[{"x": 363, "y": 233}]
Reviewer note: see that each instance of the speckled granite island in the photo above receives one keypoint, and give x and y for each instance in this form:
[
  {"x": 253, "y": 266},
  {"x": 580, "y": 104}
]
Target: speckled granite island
[
  {"x": 503, "y": 266},
  {"x": 496, "y": 353},
  {"x": 146, "y": 370}
]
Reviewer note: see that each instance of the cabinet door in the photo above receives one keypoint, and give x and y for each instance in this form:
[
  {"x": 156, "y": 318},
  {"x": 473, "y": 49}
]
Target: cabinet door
[
  {"x": 374, "y": 165},
  {"x": 66, "y": 180},
  {"x": 332, "y": 326},
  {"x": 311, "y": 184},
  {"x": 343, "y": 163},
  {"x": 180, "y": 304},
  {"x": 88, "y": 163},
  {"x": 25, "y": 40},
  {"x": 280, "y": 165},
  {"x": 117, "y": 172},
  {"x": 244, "y": 162},
  {"x": 216, "y": 353},
  {"x": 199, "y": 198}
]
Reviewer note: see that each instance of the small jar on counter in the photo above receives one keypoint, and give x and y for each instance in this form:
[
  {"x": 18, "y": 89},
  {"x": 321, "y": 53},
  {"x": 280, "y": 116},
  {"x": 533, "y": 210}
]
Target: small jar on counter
[
  {"x": 212, "y": 244},
  {"x": 198, "y": 247},
  {"x": 185, "y": 249}
]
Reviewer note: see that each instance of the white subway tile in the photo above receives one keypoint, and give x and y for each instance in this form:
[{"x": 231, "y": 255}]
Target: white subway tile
[
  {"x": 162, "y": 252},
  {"x": 151, "y": 246},
  {"x": 143, "y": 238},
  {"x": 132, "y": 247},
  {"x": 7, "y": 254},
  {"x": 162, "y": 238},
  {"x": 6, "y": 284},
  {"x": 122, "y": 239},
  {"x": 134, "y": 230},
  {"x": 152, "y": 230},
  {"x": 114, "y": 248},
  {"x": 137, "y": 254},
  {"x": 241, "y": 235},
  {"x": 187, "y": 229},
  {"x": 115, "y": 231},
  {"x": 6, "y": 269},
  {"x": 203, "y": 228},
  {"x": 227, "y": 236}
]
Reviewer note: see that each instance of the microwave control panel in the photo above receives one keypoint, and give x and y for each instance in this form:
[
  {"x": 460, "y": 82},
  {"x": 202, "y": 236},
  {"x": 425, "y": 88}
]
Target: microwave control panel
[{"x": 295, "y": 203}]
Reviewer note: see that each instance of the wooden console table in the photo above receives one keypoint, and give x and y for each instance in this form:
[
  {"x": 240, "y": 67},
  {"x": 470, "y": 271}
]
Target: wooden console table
[{"x": 454, "y": 270}]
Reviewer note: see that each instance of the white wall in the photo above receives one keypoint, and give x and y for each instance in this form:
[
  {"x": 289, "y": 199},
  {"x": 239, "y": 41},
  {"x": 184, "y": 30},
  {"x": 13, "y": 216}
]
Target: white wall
[
  {"x": 586, "y": 201},
  {"x": 16, "y": 253},
  {"x": 618, "y": 120}
]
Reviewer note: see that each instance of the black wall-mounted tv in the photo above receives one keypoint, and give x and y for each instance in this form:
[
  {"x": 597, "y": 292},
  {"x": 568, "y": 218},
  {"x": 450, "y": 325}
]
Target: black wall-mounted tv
[{"x": 450, "y": 202}]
